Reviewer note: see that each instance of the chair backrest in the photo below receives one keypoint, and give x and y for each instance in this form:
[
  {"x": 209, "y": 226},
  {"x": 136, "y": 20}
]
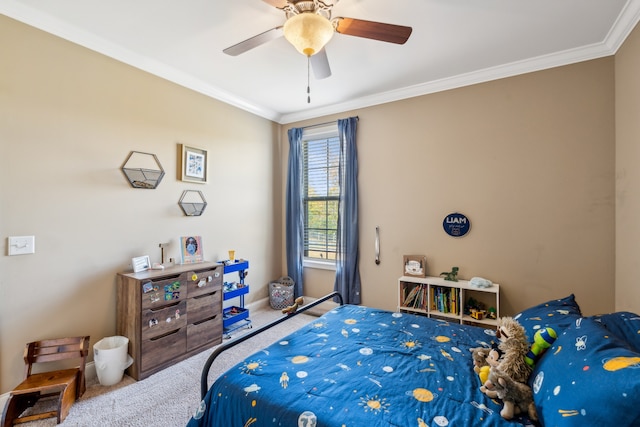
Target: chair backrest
[{"x": 54, "y": 350}]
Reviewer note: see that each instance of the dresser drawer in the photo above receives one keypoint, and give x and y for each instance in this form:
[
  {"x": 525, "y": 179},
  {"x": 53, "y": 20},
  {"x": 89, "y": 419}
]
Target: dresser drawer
[
  {"x": 163, "y": 348},
  {"x": 204, "y": 306},
  {"x": 208, "y": 331},
  {"x": 156, "y": 293},
  {"x": 156, "y": 322},
  {"x": 204, "y": 282}
]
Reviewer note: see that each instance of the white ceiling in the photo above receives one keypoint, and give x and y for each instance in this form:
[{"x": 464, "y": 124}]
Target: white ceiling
[{"x": 454, "y": 43}]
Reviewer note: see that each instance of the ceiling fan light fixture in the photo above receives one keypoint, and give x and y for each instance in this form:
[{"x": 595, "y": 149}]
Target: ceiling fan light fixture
[{"x": 308, "y": 32}]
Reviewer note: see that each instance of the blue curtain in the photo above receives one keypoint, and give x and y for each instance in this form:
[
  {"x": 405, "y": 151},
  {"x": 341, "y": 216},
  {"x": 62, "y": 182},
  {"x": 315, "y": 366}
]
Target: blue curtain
[
  {"x": 294, "y": 214},
  {"x": 347, "y": 264}
]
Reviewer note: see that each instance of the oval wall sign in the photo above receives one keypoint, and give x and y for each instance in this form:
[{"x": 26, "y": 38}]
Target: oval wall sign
[{"x": 456, "y": 224}]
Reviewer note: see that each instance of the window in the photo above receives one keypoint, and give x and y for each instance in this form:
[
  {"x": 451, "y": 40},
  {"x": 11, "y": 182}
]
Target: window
[{"x": 321, "y": 193}]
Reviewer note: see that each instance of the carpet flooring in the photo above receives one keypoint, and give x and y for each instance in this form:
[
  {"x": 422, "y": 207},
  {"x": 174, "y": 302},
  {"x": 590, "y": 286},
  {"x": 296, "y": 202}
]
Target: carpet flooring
[{"x": 170, "y": 397}]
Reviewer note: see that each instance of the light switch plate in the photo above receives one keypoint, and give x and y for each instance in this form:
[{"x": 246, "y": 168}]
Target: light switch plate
[{"x": 21, "y": 245}]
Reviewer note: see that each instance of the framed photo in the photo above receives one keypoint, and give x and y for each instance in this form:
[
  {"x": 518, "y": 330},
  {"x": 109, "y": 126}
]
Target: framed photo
[
  {"x": 141, "y": 263},
  {"x": 191, "y": 249},
  {"x": 415, "y": 265},
  {"x": 193, "y": 164}
]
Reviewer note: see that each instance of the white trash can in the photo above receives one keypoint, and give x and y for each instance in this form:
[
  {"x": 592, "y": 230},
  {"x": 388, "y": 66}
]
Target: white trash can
[{"x": 111, "y": 359}]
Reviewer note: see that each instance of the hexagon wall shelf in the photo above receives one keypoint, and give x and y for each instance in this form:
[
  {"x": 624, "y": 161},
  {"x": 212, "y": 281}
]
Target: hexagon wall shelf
[
  {"x": 192, "y": 203},
  {"x": 143, "y": 170}
]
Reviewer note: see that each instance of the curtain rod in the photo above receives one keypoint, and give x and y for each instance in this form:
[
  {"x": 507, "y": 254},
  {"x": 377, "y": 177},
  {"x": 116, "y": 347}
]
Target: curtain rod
[{"x": 323, "y": 124}]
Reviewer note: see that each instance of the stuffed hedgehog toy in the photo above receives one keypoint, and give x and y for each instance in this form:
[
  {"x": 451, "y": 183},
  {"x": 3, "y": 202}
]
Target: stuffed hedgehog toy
[
  {"x": 517, "y": 397},
  {"x": 514, "y": 346}
]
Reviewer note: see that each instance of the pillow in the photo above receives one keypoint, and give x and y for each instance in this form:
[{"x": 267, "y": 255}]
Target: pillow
[
  {"x": 588, "y": 377},
  {"x": 557, "y": 314},
  {"x": 624, "y": 324}
]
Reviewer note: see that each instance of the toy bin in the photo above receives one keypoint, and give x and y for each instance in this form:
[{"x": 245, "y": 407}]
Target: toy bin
[{"x": 281, "y": 293}]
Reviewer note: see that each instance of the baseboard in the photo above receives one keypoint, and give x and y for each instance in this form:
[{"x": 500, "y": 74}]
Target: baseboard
[
  {"x": 3, "y": 400},
  {"x": 318, "y": 310},
  {"x": 259, "y": 304},
  {"x": 321, "y": 308},
  {"x": 90, "y": 373}
]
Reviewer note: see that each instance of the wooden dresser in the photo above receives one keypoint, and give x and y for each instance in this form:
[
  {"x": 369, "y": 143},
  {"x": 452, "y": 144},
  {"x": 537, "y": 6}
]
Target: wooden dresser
[{"x": 169, "y": 315}]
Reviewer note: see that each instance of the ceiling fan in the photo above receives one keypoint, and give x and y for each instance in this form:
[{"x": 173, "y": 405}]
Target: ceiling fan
[{"x": 309, "y": 27}]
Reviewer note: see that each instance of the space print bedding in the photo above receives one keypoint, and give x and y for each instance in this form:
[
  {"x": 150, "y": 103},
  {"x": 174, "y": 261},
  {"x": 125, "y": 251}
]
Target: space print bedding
[{"x": 357, "y": 366}]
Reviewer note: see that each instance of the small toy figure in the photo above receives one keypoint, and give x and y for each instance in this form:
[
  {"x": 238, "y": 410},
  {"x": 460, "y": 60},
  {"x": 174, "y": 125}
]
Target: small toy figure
[
  {"x": 452, "y": 275},
  {"x": 292, "y": 308},
  {"x": 480, "y": 364}
]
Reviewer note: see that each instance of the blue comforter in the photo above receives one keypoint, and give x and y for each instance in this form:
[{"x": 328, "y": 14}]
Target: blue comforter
[{"x": 358, "y": 367}]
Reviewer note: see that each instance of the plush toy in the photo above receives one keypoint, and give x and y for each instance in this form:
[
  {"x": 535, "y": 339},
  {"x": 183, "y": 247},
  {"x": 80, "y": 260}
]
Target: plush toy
[
  {"x": 292, "y": 308},
  {"x": 480, "y": 364},
  {"x": 516, "y": 397},
  {"x": 542, "y": 340},
  {"x": 514, "y": 346},
  {"x": 479, "y": 357}
]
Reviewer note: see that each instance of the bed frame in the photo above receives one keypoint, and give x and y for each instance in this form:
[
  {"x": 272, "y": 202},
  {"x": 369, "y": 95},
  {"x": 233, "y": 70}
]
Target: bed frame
[{"x": 204, "y": 378}]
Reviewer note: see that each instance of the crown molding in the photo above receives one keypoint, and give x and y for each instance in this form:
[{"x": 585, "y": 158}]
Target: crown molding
[{"x": 626, "y": 22}]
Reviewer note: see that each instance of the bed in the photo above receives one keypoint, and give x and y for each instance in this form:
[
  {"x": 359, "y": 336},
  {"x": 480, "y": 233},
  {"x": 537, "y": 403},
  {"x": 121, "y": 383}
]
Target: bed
[{"x": 360, "y": 366}]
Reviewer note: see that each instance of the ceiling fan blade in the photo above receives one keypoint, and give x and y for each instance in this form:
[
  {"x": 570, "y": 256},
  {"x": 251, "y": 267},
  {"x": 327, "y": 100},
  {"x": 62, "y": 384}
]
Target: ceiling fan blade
[
  {"x": 254, "y": 41},
  {"x": 320, "y": 65},
  {"x": 276, "y": 3},
  {"x": 373, "y": 30}
]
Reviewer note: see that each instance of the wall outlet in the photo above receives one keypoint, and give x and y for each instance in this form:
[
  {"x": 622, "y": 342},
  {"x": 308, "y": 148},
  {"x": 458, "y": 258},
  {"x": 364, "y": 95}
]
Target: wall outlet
[{"x": 21, "y": 245}]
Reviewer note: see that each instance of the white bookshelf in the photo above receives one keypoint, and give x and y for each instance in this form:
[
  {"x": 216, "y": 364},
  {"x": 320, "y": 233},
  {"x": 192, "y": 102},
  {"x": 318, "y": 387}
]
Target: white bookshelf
[{"x": 444, "y": 299}]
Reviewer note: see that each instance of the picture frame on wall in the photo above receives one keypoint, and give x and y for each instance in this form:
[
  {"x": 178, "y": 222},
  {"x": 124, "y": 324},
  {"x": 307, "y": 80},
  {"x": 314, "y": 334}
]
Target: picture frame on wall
[
  {"x": 191, "y": 249},
  {"x": 414, "y": 265},
  {"x": 193, "y": 164}
]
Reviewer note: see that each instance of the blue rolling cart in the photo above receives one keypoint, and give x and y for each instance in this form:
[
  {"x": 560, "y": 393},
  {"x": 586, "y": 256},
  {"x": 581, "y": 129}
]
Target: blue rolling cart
[{"x": 235, "y": 316}]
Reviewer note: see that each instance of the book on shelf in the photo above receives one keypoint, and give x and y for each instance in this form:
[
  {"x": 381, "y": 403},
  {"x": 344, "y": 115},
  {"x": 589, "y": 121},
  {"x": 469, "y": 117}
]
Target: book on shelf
[
  {"x": 417, "y": 297},
  {"x": 446, "y": 300}
]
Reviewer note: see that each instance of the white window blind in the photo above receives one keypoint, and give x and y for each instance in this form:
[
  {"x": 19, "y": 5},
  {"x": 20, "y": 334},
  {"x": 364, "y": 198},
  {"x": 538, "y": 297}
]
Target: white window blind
[{"x": 321, "y": 186}]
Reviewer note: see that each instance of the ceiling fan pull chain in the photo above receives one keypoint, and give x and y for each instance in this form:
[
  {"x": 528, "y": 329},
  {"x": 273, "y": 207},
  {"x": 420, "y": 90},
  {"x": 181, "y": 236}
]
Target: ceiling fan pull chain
[{"x": 308, "y": 80}]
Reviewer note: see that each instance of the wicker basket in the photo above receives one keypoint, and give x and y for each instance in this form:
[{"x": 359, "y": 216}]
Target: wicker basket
[{"x": 281, "y": 293}]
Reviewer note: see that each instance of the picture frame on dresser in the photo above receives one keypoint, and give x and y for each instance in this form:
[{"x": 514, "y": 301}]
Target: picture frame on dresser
[
  {"x": 191, "y": 249},
  {"x": 141, "y": 263},
  {"x": 193, "y": 164}
]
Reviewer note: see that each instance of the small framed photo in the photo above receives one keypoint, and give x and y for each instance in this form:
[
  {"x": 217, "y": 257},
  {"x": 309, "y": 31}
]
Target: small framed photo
[
  {"x": 193, "y": 164},
  {"x": 415, "y": 265},
  {"x": 191, "y": 249},
  {"x": 141, "y": 263}
]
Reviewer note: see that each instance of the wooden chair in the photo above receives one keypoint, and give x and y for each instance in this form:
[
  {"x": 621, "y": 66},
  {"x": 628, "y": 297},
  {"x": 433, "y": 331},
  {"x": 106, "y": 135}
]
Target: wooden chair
[{"x": 67, "y": 384}]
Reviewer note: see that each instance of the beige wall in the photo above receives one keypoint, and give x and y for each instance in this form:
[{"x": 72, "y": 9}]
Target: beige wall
[
  {"x": 529, "y": 159},
  {"x": 628, "y": 173},
  {"x": 68, "y": 119}
]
